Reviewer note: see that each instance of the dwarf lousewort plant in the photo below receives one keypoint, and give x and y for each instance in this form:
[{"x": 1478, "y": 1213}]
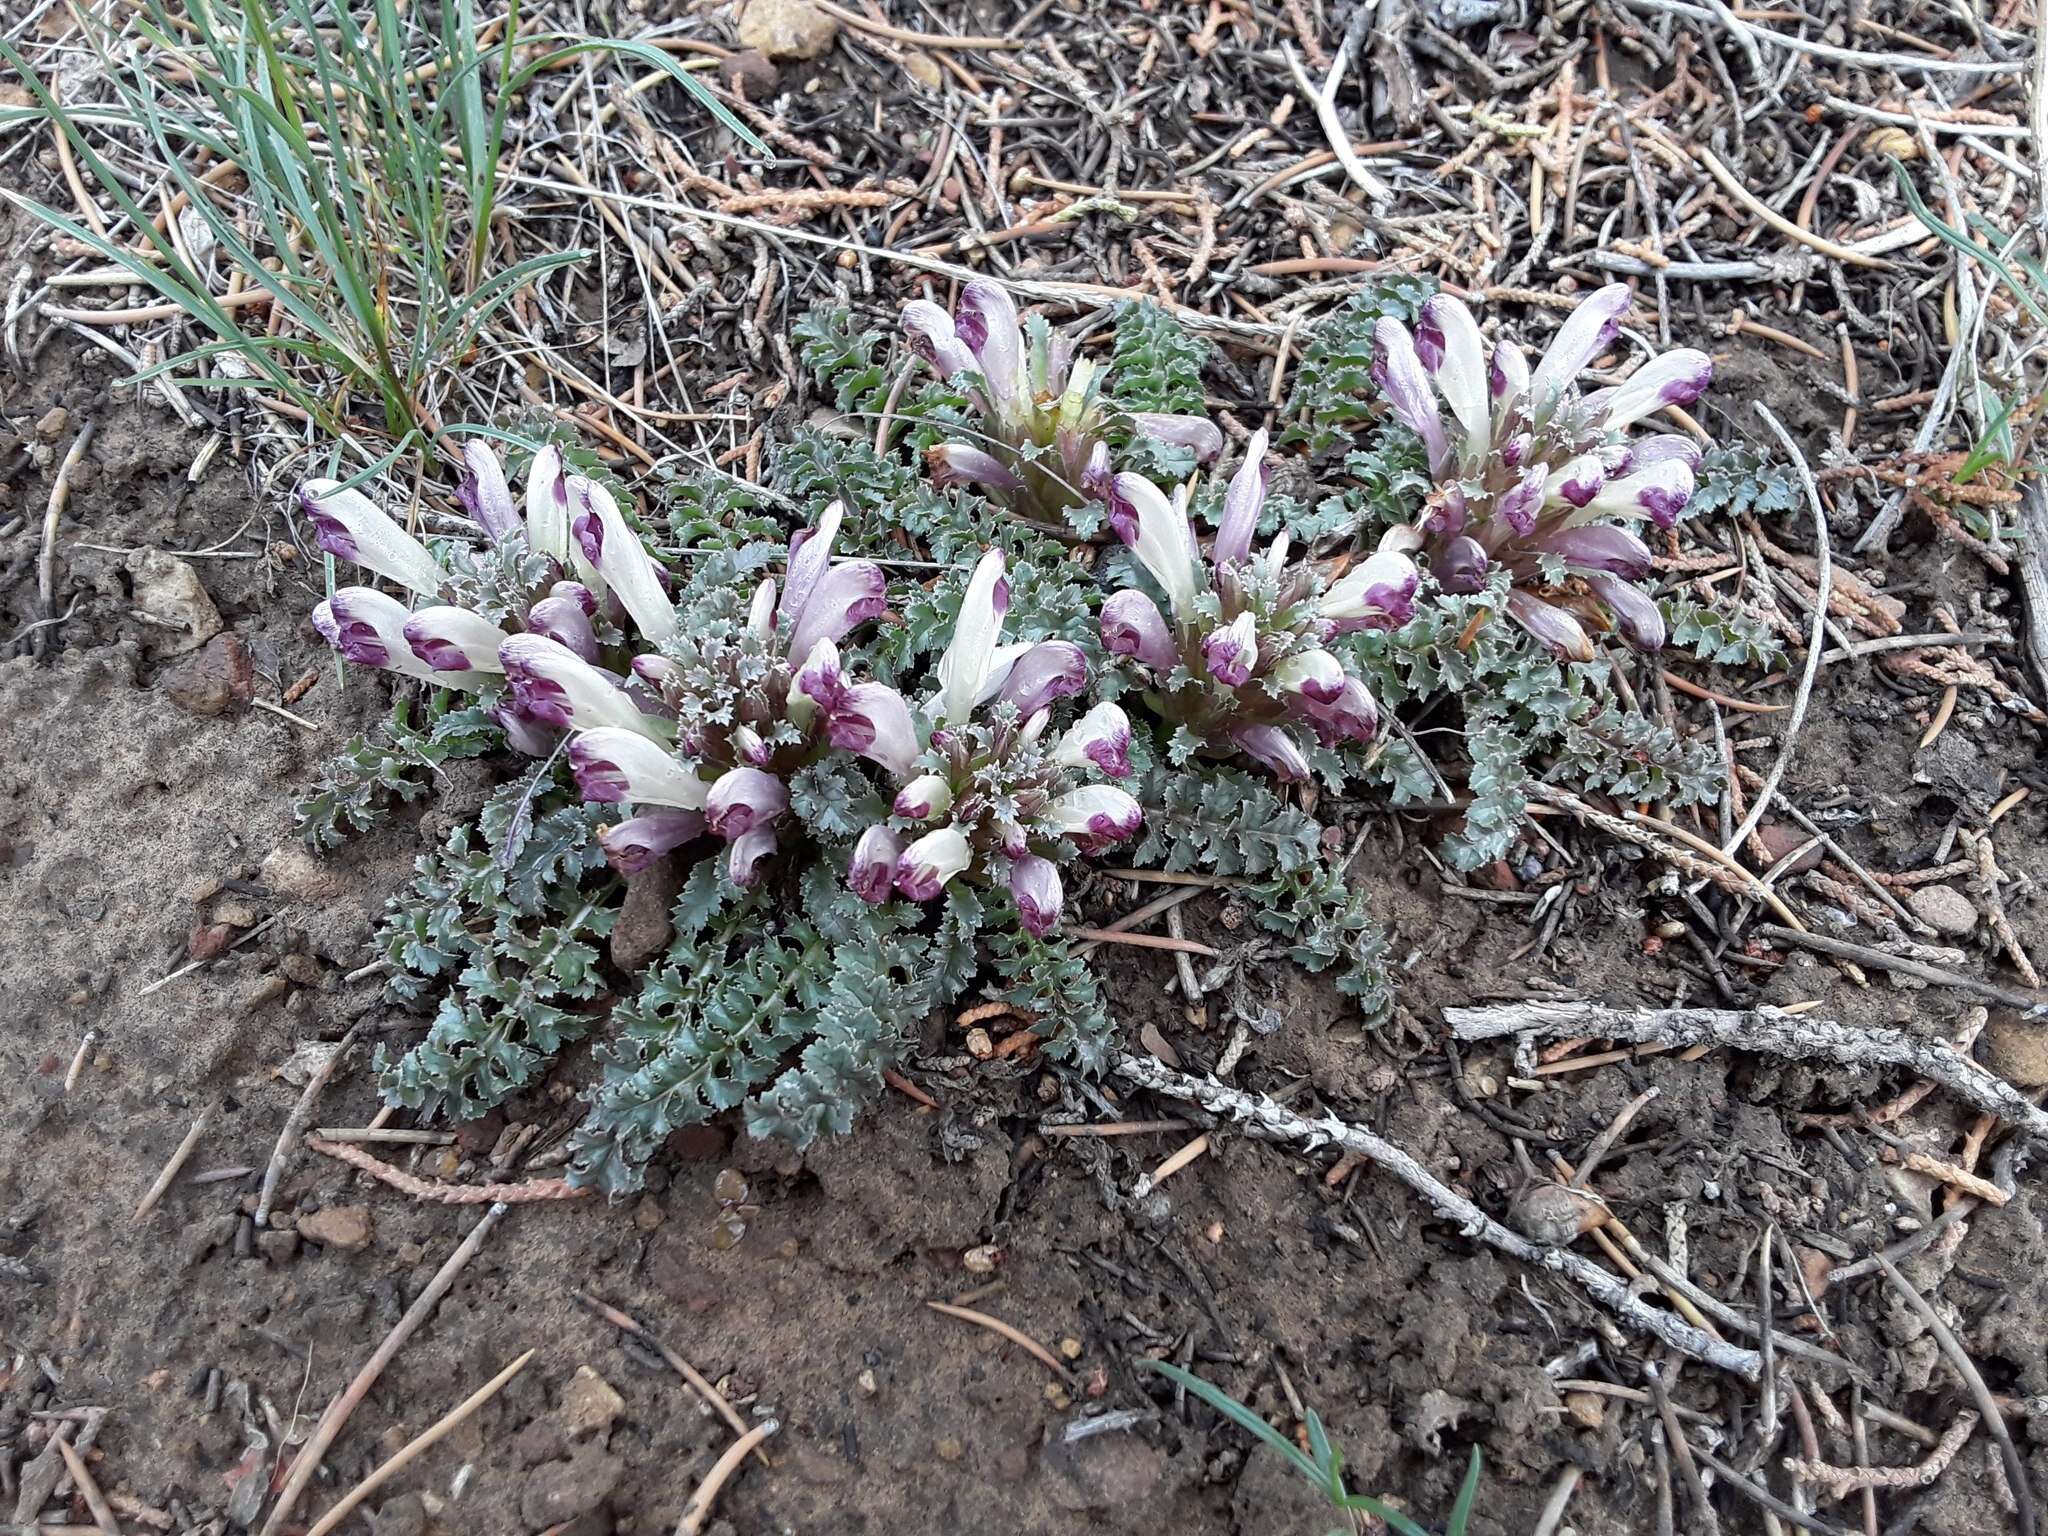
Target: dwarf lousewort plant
[
  {"x": 1535, "y": 477},
  {"x": 1042, "y": 445},
  {"x": 996, "y": 795},
  {"x": 1238, "y": 659}
]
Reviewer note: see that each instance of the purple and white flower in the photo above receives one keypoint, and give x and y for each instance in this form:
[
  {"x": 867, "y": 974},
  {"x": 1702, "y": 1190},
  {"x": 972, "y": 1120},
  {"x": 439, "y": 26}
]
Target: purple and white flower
[
  {"x": 925, "y": 866},
  {"x": 925, "y": 798},
  {"x": 637, "y": 842},
  {"x": 1540, "y": 471},
  {"x": 555, "y": 686},
  {"x": 454, "y": 640},
  {"x": 743, "y": 799},
  {"x": 968, "y": 659},
  {"x": 615, "y": 552},
  {"x": 350, "y": 526},
  {"x": 1158, "y": 532},
  {"x": 1097, "y": 816},
  {"x": 614, "y": 766}
]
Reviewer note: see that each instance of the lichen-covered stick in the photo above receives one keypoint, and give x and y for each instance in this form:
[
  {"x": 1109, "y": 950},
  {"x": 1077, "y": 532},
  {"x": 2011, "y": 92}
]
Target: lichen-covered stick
[
  {"x": 1767, "y": 1031},
  {"x": 1263, "y": 1118}
]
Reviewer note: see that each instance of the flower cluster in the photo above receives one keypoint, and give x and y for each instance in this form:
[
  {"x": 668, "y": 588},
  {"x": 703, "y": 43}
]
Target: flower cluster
[
  {"x": 1240, "y": 657},
  {"x": 698, "y": 731},
  {"x": 995, "y": 793},
  {"x": 1533, "y": 476},
  {"x": 1042, "y": 444}
]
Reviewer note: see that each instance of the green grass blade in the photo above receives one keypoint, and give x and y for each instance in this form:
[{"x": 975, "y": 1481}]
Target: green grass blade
[
  {"x": 1963, "y": 242},
  {"x": 1468, "y": 1495},
  {"x": 1239, "y": 1415},
  {"x": 633, "y": 48}
]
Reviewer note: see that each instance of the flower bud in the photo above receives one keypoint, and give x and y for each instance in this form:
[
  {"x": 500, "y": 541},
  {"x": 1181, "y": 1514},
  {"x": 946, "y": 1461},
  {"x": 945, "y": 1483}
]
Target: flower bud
[
  {"x": 951, "y": 464},
  {"x": 1461, "y": 566},
  {"x": 1315, "y": 675},
  {"x": 1376, "y": 593},
  {"x": 1588, "y": 331},
  {"x": 547, "y": 504},
  {"x": 1398, "y": 371},
  {"x": 1273, "y": 749},
  {"x": 925, "y": 798},
  {"x": 1049, "y": 670},
  {"x": 1636, "y": 615},
  {"x": 1133, "y": 626},
  {"x": 1351, "y": 716},
  {"x": 872, "y": 873},
  {"x": 743, "y": 799},
  {"x": 748, "y": 852},
  {"x": 483, "y": 493},
  {"x": 1601, "y": 547},
  {"x": 1035, "y": 887},
  {"x": 1198, "y": 434},
  {"x": 562, "y": 618},
  {"x": 1102, "y": 739},
  {"x": 1242, "y": 503},
  {"x": 1558, "y": 630},
  {"x": 1231, "y": 651}
]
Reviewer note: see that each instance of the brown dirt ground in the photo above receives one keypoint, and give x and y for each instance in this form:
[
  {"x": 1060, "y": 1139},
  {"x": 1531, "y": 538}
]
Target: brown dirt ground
[{"x": 117, "y": 808}]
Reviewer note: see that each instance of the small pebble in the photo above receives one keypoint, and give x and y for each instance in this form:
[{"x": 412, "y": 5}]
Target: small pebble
[
  {"x": 590, "y": 1403},
  {"x": 346, "y": 1227},
  {"x": 950, "y": 1449},
  {"x": 1944, "y": 909},
  {"x": 52, "y": 424},
  {"x": 1071, "y": 1348},
  {"x": 867, "y": 1383}
]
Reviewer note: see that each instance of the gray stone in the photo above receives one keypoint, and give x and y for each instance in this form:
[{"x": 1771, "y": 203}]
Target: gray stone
[
  {"x": 562, "y": 1490},
  {"x": 1944, "y": 909}
]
